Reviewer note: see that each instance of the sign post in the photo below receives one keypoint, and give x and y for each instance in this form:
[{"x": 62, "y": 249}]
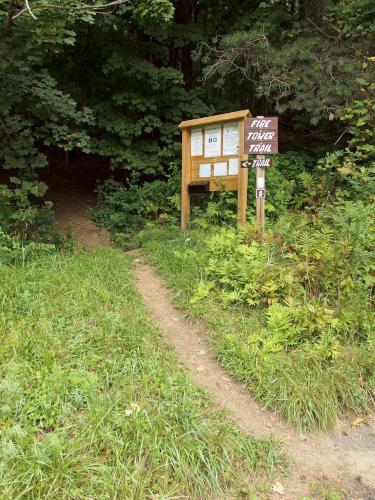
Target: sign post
[
  {"x": 261, "y": 137},
  {"x": 260, "y": 194}
]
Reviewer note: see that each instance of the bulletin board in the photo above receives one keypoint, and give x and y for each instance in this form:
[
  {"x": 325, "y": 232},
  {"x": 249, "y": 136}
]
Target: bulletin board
[{"x": 212, "y": 151}]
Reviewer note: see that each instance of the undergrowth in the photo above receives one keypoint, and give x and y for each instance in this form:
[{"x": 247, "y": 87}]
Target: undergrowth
[
  {"x": 292, "y": 313},
  {"x": 91, "y": 402}
]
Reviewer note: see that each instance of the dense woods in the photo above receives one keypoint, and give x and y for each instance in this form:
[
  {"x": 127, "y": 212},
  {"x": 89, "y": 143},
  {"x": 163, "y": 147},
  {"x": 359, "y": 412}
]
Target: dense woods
[{"x": 115, "y": 81}]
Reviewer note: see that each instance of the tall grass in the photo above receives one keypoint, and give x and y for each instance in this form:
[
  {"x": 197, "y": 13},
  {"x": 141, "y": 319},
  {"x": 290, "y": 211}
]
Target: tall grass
[
  {"x": 300, "y": 385},
  {"x": 92, "y": 404}
]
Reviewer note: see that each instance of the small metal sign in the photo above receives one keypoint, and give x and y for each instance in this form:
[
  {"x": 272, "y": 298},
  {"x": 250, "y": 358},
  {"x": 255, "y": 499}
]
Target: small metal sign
[
  {"x": 256, "y": 163},
  {"x": 261, "y": 194},
  {"x": 261, "y": 135}
]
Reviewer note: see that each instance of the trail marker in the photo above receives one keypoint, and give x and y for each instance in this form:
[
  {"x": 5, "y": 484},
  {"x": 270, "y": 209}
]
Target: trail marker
[
  {"x": 256, "y": 163},
  {"x": 261, "y": 137}
]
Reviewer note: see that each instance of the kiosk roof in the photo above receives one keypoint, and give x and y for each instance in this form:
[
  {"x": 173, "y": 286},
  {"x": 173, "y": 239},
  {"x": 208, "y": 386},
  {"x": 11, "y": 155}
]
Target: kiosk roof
[{"x": 226, "y": 117}]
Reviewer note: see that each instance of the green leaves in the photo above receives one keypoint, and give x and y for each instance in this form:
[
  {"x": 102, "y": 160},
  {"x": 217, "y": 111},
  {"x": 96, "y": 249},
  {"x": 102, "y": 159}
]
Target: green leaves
[
  {"x": 299, "y": 58},
  {"x": 154, "y": 10},
  {"x": 23, "y": 212},
  {"x": 350, "y": 172},
  {"x": 310, "y": 277}
]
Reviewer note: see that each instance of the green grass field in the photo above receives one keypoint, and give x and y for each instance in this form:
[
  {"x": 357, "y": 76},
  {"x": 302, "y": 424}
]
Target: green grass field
[
  {"x": 91, "y": 402},
  {"x": 305, "y": 389}
]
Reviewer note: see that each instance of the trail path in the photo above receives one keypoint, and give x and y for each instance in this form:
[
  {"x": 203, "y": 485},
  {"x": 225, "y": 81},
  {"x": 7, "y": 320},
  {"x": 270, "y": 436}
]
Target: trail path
[
  {"x": 345, "y": 456},
  {"x": 71, "y": 208}
]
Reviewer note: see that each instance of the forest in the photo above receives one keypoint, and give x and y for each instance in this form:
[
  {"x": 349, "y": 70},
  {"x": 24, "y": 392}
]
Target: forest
[{"x": 91, "y": 95}]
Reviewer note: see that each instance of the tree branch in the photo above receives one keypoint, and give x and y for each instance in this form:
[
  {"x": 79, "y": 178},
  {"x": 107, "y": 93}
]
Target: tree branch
[
  {"x": 95, "y": 8},
  {"x": 29, "y": 9}
]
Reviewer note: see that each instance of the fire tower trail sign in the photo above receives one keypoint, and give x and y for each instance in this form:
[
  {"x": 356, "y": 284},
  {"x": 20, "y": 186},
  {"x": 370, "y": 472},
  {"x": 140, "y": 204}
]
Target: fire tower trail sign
[{"x": 261, "y": 136}]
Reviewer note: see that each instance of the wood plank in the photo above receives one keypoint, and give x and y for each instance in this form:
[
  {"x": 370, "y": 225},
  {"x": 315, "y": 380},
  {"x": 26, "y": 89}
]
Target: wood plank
[
  {"x": 224, "y": 183},
  {"x": 242, "y": 181},
  {"x": 185, "y": 195},
  {"x": 235, "y": 115}
]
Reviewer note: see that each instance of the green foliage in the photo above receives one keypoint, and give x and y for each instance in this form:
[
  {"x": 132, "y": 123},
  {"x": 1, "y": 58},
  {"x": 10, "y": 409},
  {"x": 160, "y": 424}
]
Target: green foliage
[
  {"x": 297, "y": 56},
  {"x": 92, "y": 401},
  {"x": 33, "y": 111},
  {"x": 292, "y": 311},
  {"x": 126, "y": 209},
  {"x": 23, "y": 211},
  {"x": 350, "y": 173},
  {"x": 134, "y": 65},
  {"x": 13, "y": 250},
  {"x": 320, "y": 270}
]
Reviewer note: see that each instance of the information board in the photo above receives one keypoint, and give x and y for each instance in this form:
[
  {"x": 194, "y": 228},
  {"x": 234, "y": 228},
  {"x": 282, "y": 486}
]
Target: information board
[{"x": 212, "y": 150}]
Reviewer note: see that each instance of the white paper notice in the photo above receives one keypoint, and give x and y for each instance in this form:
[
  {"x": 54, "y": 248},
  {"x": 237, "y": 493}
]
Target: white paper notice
[
  {"x": 212, "y": 141},
  {"x": 220, "y": 169},
  {"x": 233, "y": 166},
  {"x": 260, "y": 183},
  {"x": 196, "y": 142},
  {"x": 231, "y": 139},
  {"x": 205, "y": 170}
]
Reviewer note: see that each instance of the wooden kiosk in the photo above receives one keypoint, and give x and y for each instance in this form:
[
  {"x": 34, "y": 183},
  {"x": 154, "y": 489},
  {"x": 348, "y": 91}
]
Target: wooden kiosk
[{"x": 212, "y": 151}]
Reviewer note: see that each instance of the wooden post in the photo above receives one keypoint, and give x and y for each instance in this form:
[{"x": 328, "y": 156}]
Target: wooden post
[
  {"x": 260, "y": 202},
  {"x": 185, "y": 196},
  {"x": 242, "y": 179}
]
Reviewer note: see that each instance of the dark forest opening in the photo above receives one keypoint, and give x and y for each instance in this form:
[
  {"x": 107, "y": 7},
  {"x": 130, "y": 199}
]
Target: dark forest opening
[
  {"x": 74, "y": 170},
  {"x": 72, "y": 179}
]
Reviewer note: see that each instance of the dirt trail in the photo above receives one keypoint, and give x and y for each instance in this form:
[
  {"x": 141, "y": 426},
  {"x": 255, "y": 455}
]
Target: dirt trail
[
  {"x": 346, "y": 456},
  {"x": 71, "y": 207}
]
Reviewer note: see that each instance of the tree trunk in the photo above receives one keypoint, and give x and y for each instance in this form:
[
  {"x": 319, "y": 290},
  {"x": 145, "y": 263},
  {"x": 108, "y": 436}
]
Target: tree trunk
[
  {"x": 9, "y": 17},
  {"x": 185, "y": 13}
]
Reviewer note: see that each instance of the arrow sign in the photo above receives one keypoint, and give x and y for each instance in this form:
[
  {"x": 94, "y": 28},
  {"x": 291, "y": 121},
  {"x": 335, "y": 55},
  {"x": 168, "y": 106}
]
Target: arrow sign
[
  {"x": 247, "y": 164},
  {"x": 256, "y": 163}
]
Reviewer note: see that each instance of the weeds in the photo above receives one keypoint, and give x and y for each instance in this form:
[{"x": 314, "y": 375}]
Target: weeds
[{"x": 92, "y": 404}]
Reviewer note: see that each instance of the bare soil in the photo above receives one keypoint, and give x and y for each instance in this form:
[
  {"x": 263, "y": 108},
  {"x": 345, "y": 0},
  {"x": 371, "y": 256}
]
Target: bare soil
[
  {"x": 71, "y": 213},
  {"x": 345, "y": 456}
]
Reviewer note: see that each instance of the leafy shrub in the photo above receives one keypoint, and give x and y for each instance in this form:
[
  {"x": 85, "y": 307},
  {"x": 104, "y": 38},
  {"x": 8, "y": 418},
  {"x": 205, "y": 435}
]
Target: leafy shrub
[
  {"x": 23, "y": 212},
  {"x": 319, "y": 270},
  {"x": 127, "y": 208},
  {"x": 350, "y": 172}
]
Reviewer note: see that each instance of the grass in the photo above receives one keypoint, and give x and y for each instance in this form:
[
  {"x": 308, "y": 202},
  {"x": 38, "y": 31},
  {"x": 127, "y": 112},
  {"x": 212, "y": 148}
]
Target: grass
[
  {"x": 92, "y": 404},
  {"x": 303, "y": 388}
]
